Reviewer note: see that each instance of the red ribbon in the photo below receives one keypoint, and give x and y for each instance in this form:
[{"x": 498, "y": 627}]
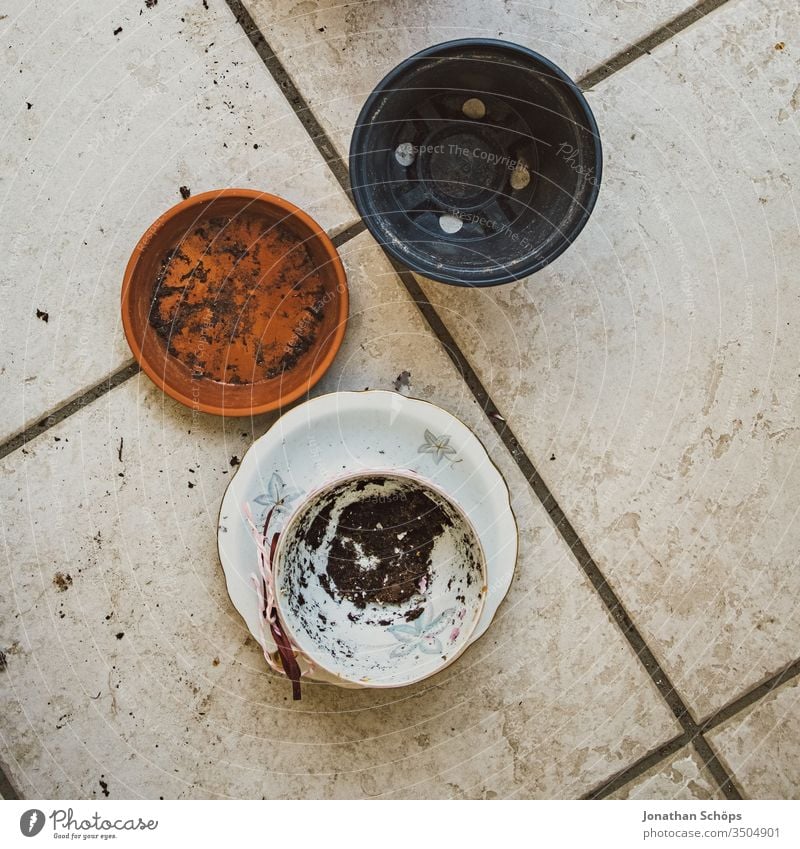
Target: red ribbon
[
  {"x": 289, "y": 661},
  {"x": 285, "y": 651}
]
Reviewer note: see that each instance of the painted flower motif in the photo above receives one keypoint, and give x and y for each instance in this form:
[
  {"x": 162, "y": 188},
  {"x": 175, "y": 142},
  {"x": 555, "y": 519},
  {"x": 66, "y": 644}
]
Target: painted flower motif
[
  {"x": 462, "y": 612},
  {"x": 422, "y": 634},
  {"x": 439, "y": 446},
  {"x": 278, "y": 496}
]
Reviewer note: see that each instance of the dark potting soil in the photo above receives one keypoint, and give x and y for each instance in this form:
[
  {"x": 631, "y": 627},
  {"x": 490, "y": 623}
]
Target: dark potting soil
[
  {"x": 238, "y": 300},
  {"x": 381, "y": 549}
]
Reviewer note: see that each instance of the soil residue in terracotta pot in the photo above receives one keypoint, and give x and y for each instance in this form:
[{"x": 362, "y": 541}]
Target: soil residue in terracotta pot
[{"x": 238, "y": 300}]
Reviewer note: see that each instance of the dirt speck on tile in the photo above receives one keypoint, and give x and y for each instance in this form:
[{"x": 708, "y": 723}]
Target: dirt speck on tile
[
  {"x": 185, "y": 191},
  {"x": 62, "y": 582},
  {"x": 402, "y": 381},
  {"x": 44, "y": 316}
]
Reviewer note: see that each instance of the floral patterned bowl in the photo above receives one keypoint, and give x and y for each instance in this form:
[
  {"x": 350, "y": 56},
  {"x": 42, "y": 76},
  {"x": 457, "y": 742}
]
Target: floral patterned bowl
[
  {"x": 380, "y": 579},
  {"x": 335, "y": 436}
]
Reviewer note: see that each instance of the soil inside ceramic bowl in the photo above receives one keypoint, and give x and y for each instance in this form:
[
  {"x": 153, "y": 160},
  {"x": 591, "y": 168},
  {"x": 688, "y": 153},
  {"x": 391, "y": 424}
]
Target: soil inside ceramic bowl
[
  {"x": 380, "y": 578},
  {"x": 238, "y": 299},
  {"x": 381, "y": 547}
]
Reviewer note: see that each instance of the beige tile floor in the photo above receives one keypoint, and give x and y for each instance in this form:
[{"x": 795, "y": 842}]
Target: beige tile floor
[
  {"x": 514, "y": 716},
  {"x": 657, "y": 362},
  {"x": 649, "y": 374}
]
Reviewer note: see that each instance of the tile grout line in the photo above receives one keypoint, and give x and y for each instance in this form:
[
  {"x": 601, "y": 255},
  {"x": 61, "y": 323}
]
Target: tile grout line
[
  {"x": 634, "y": 770},
  {"x": 349, "y": 233},
  {"x": 609, "y": 598},
  {"x": 714, "y": 720},
  {"x": 66, "y": 410},
  {"x": 714, "y": 765},
  {"x": 653, "y": 759},
  {"x": 290, "y": 91},
  {"x": 646, "y": 45},
  {"x": 778, "y": 679}
]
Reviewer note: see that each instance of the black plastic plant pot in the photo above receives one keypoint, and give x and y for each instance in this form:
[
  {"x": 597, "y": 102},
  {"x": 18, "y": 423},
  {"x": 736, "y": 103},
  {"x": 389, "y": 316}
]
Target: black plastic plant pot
[{"x": 476, "y": 162}]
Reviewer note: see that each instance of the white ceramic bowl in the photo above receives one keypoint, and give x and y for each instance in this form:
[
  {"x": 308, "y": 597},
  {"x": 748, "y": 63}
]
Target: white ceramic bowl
[
  {"x": 347, "y": 433},
  {"x": 380, "y": 578}
]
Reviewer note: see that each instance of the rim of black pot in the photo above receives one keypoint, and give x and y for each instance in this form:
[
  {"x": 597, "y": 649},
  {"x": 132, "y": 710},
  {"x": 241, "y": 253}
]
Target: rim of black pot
[{"x": 362, "y": 194}]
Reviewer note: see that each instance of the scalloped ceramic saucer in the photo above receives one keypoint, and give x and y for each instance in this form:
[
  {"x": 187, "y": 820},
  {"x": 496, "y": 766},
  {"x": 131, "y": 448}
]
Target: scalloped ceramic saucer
[{"x": 346, "y": 433}]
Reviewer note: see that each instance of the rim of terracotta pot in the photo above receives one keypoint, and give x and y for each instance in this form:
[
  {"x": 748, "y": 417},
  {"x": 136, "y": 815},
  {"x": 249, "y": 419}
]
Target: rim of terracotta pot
[{"x": 265, "y": 396}]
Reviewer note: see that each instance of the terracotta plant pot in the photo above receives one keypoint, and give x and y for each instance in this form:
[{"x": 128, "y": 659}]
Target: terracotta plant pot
[{"x": 234, "y": 302}]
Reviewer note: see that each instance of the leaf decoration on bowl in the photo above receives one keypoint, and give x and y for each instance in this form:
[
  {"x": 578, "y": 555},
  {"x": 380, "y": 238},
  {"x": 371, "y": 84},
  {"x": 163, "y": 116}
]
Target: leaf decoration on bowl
[
  {"x": 422, "y": 634},
  {"x": 439, "y": 446},
  {"x": 278, "y": 496}
]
